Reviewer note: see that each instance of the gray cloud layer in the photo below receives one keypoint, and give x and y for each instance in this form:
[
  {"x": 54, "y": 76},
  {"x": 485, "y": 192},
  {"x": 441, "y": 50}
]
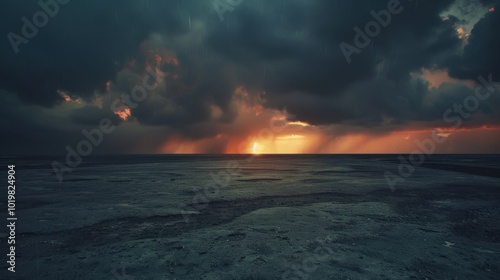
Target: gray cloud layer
[{"x": 287, "y": 49}]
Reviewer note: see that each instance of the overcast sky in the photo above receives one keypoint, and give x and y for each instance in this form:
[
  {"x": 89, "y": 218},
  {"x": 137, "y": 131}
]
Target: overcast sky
[{"x": 267, "y": 76}]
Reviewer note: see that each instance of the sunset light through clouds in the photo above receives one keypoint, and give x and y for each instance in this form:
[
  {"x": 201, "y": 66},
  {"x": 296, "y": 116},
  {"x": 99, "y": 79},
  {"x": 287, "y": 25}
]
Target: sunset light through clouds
[{"x": 186, "y": 82}]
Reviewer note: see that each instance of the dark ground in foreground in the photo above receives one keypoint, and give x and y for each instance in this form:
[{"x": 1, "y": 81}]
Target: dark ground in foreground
[{"x": 306, "y": 218}]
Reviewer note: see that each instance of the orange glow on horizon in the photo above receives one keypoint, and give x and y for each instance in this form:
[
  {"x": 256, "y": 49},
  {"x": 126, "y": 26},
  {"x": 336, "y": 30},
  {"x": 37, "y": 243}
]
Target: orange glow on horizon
[
  {"x": 255, "y": 148},
  {"x": 396, "y": 142},
  {"x": 270, "y": 131}
]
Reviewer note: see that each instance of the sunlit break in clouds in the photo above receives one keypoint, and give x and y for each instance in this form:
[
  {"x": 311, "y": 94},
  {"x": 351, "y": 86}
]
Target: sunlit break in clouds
[{"x": 260, "y": 77}]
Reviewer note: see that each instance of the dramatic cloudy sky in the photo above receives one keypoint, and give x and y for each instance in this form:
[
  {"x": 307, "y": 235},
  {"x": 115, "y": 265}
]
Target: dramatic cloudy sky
[{"x": 268, "y": 76}]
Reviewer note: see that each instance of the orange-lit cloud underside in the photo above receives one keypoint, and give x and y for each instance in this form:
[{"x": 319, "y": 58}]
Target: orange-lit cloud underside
[
  {"x": 477, "y": 140},
  {"x": 265, "y": 131},
  {"x": 261, "y": 130}
]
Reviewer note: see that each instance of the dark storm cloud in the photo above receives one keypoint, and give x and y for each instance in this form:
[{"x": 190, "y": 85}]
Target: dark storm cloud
[
  {"x": 291, "y": 51},
  {"x": 287, "y": 49},
  {"x": 303, "y": 54},
  {"x": 30, "y": 131},
  {"x": 81, "y": 47},
  {"x": 187, "y": 100},
  {"x": 489, "y": 3},
  {"x": 91, "y": 116},
  {"x": 480, "y": 56}
]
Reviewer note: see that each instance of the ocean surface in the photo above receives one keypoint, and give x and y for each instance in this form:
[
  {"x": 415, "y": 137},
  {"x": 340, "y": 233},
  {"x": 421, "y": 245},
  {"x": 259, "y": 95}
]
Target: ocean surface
[{"x": 254, "y": 217}]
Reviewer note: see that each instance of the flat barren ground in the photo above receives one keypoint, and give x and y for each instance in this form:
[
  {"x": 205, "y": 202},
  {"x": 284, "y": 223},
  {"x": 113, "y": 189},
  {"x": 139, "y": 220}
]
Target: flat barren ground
[{"x": 265, "y": 217}]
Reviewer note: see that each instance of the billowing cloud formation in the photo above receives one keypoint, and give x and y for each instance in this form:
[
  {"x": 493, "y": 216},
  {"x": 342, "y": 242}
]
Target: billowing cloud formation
[{"x": 224, "y": 78}]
